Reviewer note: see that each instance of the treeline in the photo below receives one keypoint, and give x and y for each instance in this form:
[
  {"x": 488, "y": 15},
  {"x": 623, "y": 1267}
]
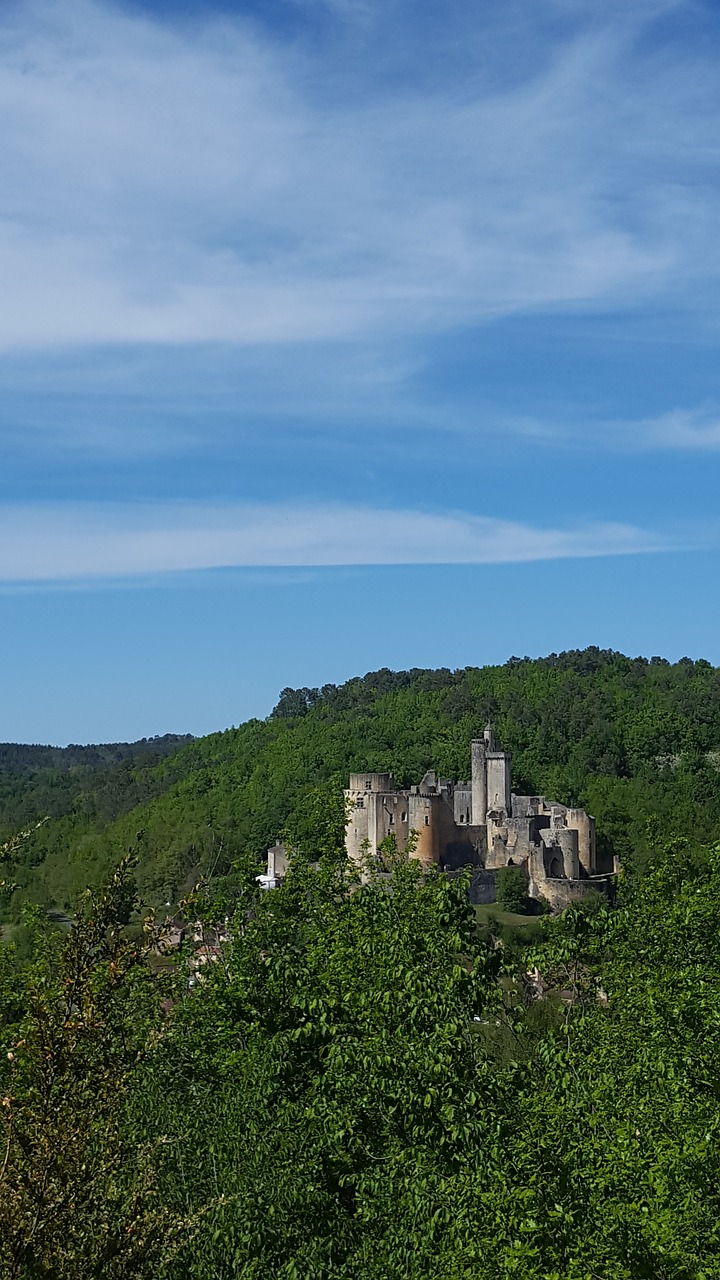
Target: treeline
[
  {"x": 18, "y": 758},
  {"x": 635, "y": 741}
]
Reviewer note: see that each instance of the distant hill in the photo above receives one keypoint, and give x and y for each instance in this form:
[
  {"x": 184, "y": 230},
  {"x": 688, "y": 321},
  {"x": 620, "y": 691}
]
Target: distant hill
[
  {"x": 18, "y": 758},
  {"x": 100, "y": 781},
  {"x": 635, "y": 741}
]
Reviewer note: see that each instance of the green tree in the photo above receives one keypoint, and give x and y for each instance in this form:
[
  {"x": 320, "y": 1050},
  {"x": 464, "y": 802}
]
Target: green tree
[
  {"x": 75, "y": 1190},
  {"x": 512, "y": 890},
  {"x": 327, "y": 1078}
]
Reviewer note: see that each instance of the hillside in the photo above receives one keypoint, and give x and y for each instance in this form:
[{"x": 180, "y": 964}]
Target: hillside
[
  {"x": 47, "y": 781},
  {"x": 635, "y": 741}
]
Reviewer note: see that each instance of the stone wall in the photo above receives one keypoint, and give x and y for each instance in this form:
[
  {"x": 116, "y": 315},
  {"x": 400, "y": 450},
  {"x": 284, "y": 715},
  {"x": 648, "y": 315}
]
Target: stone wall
[
  {"x": 483, "y": 887},
  {"x": 560, "y": 893},
  {"x": 478, "y": 766},
  {"x": 277, "y": 861},
  {"x": 478, "y": 823},
  {"x": 463, "y": 805},
  {"x": 356, "y": 831},
  {"x": 498, "y": 781},
  {"x": 424, "y": 816}
]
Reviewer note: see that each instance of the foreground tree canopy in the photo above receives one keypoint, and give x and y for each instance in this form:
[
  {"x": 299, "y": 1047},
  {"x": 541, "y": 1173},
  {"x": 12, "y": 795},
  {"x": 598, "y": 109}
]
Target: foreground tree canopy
[{"x": 358, "y": 1088}]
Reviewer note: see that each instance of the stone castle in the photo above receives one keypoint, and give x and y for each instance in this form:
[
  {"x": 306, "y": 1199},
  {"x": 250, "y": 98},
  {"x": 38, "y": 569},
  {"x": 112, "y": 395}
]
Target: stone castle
[{"x": 481, "y": 824}]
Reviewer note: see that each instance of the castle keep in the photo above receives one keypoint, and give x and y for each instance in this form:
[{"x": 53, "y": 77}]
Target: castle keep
[{"x": 479, "y": 823}]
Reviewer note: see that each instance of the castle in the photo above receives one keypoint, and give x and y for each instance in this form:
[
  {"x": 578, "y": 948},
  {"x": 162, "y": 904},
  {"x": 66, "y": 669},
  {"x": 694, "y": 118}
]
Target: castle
[{"x": 481, "y": 824}]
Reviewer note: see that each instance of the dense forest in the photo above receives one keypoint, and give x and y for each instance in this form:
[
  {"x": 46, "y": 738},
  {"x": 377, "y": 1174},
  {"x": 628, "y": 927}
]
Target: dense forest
[
  {"x": 635, "y": 742},
  {"x": 344, "y": 1081}
]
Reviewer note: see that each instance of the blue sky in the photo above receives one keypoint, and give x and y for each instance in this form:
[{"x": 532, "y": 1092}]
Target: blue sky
[{"x": 338, "y": 334}]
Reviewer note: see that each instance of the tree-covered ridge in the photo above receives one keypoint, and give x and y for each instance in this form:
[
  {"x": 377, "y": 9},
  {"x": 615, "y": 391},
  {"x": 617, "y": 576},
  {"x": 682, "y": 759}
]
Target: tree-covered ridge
[
  {"x": 634, "y": 741},
  {"x": 20, "y": 758},
  {"x": 50, "y": 781}
]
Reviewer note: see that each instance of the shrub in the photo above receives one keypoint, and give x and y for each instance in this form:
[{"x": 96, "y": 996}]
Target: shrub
[{"x": 512, "y": 890}]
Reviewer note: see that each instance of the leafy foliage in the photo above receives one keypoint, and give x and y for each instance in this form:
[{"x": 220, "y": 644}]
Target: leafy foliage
[
  {"x": 511, "y": 889},
  {"x": 325, "y": 1075},
  {"x": 75, "y": 1192},
  {"x": 359, "y": 1087}
]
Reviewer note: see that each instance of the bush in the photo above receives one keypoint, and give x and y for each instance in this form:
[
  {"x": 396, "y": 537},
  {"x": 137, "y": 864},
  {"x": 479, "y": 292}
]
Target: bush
[{"x": 512, "y": 890}]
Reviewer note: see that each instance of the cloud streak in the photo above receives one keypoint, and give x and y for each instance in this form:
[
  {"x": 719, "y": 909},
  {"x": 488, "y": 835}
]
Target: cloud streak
[
  {"x": 66, "y": 542},
  {"x": 690, "y": 430},
  {"x": 168, "y": 186}
]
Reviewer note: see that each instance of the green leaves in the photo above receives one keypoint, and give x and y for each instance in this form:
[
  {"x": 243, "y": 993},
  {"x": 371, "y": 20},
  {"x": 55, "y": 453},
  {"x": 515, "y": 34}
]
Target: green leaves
[
  {"x": 359, "y": 1088},
  {"x": 359, "y": 1076},
  {"x": 75, "y": 1191}
]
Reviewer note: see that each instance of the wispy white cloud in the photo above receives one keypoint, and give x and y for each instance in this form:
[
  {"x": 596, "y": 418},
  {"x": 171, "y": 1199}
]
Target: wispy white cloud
[
  {"x": 162, "y": 185},
  {"x": 93, "y": 541},
  {"x": 684, "y": 430},
  {"x": 690, "y": 430},
  {"x": 153, "y": 401}
]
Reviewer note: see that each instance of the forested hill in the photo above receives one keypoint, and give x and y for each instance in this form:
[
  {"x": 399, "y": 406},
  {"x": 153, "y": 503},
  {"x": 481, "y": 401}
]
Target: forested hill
[
  {"x": 20, "y": 758},
  {"x": 47, "y": 781},
  {"x": 100, "y": 781},
  {"x": 635, "y": 741}
]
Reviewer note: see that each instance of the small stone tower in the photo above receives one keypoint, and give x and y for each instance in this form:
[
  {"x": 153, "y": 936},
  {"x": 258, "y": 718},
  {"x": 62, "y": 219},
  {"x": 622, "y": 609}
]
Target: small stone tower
[
  {"x": 499, "y": 795},
  {"x": 478, "y": 781}
]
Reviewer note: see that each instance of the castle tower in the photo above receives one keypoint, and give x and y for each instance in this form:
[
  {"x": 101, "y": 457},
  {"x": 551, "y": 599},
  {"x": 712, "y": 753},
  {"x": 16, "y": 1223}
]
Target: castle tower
[
  {"x": 585, "y": 827},
  {"x": 478, "y": 775},
  {"x": 361, "y": 835},
  {"x": 497, "y": 772},
  {"x": 567, "y": 839},
  {"x": 423, "y": 818}
]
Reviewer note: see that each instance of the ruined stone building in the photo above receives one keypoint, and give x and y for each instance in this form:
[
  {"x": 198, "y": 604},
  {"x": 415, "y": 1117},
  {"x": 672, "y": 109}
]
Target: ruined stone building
[{"x": 479, "y": 823}]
